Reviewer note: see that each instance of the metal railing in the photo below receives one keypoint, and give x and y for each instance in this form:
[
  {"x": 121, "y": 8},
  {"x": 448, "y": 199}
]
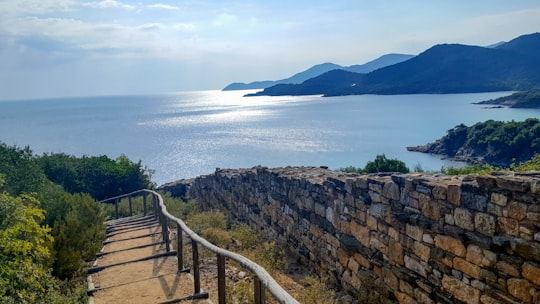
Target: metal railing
[{"x": 262, "y": 279}]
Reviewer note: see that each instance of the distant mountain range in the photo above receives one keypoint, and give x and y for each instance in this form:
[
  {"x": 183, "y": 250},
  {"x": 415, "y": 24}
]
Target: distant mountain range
[
  {"x": 444, "y": 68},
  {"x": 320, "y": 69}
]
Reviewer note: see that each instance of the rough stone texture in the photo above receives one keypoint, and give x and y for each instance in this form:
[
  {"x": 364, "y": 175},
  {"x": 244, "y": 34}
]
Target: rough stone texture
[
  {"x": 460, "y": 290},
  {"x": 418, "y": 238}
]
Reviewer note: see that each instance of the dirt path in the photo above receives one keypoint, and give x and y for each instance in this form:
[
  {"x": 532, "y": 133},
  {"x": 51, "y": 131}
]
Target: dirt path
[{"x": 124, "y": 279}]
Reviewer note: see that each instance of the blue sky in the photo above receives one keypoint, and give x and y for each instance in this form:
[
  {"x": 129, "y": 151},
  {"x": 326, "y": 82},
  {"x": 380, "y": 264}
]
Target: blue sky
[{"x": 53, "y": 48}]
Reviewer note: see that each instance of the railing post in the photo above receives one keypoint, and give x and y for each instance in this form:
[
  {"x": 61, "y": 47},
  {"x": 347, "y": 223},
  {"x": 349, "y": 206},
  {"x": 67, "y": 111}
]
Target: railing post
[
  {"x": 196, "y": 270},
  {"x": 144, "y": 203},
  {"x": 165, "y": 231},
  {"x": 221, "y": 279},
  {"x": 116, "y": 207},
  {"x": 179, "y": 248},
  {"x": 155, "y": 204},
  {"x": 130, "y": 206},
  {"x": 260, "y": 297}
]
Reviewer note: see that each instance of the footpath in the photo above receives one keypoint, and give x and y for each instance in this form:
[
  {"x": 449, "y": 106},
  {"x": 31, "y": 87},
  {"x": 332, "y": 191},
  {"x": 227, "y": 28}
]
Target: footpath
[{"x": 135, "y": 267}]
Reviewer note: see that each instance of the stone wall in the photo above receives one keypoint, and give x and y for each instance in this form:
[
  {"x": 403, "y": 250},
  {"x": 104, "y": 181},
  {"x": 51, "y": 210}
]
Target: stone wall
[{"x": 421, "y": 238}]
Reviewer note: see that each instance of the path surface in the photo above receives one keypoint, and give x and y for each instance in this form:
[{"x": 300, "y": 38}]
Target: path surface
[{"x": 135, "y": 267}]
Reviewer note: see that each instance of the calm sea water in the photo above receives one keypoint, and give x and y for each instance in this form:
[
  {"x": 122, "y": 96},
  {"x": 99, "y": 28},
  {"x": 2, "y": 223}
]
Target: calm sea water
[{"x": 187, "y": 134}]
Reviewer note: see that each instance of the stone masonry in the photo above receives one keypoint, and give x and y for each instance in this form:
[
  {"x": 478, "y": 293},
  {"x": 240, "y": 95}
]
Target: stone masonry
[{"x": 421, "y": 238}]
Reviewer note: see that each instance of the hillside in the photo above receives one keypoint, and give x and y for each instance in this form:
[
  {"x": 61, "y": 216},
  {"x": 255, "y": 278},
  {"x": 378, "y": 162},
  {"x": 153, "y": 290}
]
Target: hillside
[
  {"x": 491, "y": 142},
  {"x": 527, "y": 99},
  {"x": 320, "y": 69},
  {"x": 445, "y": 68}
]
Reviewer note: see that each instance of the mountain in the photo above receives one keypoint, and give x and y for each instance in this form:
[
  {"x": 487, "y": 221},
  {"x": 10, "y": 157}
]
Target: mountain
[
  {"x": 381, "y": 62},
  {"x": 320, "y": 69},
  {"x": 444, "y": 68}
]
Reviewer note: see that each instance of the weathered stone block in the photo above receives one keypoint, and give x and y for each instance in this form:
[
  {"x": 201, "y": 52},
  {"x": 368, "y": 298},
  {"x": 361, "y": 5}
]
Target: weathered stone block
[
  {"x": 528, "y": 250},
  {"x": 473, "y": 197},
  {"x": 415, "y": 265},
  {"x": 404, "y": 298},
  {"x": 513, "y": 184},
  {"x": 487, "y": 299},
  {"x": 353, "y": 265},
  {"x": 430, "y": 209},
  {"x": 360, "y": 232},
  {"x": 422, "y": 251},
  {"x": 395, "y": 252},
  {"x": 481, "y": 257},
  {"x": 428, "y": 238},
  {"x": 391, "y": 191},
  {"x": 414, "y": 232},
  {"x": 515, "y": 210},
  {"x": 531, "y": 272},
  {"x": 484, "y": 223},
  {"x": 520, "y": 289},
  {"x": 422, "y": 297},
  {"x": 363, "y": 261},
  {"x": 390, "y": 278},
  {"x": 454, "y": 194},
  {"x": 464, "y": 219},
  {"x": 450, "y": 244},
  {"x": 486, "y": 181},
  {"x": 509, "y": 226},
  {"x": 467, "y": 268},
  {"x": 460, "y": 290},
  {"x": 499, "y": 199},
  {"x": 439, "y": 192},
  {"x": 508, "y": 269}
]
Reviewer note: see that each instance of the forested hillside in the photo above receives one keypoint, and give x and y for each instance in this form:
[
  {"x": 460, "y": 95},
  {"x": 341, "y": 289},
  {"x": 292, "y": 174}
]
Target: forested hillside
[{"x": 50, "y": 223}]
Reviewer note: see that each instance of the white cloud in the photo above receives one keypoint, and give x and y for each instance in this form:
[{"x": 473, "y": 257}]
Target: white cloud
[
  {"x": 109, "y": 4},
  {"x": 164, "y": 6}
]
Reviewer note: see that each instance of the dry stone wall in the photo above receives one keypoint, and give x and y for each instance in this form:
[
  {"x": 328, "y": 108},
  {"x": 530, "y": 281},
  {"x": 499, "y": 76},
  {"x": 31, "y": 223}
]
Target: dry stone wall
[{"x": 421, "y": 238}]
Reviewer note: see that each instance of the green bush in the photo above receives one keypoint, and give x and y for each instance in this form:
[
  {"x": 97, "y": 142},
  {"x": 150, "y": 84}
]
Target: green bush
[
  {"x": 383, "y": 164},
  {"x": 209, "y": 219},
  {"x": 316, "y": 292},
  {"x": 245, "y": 236}
]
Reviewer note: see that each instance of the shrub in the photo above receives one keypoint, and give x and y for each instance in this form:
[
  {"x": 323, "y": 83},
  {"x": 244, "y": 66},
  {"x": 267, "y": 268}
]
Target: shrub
[
  {"x": 383, "y": 164},
  {"x": 204, "y": 220},
  {"x": 316, "y": 292},
  {"x": 246, "y": 237}
]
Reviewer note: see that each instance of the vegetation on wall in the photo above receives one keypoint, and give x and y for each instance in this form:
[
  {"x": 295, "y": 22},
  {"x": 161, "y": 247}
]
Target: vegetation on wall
[{"x": 380, "y": 164}]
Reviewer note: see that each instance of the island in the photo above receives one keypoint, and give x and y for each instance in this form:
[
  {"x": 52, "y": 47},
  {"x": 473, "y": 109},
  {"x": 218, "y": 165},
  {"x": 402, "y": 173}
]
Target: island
[{"x": 526, "y": 99}]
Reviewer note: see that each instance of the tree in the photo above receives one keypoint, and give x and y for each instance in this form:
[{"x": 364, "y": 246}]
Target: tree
[
  {"x": 383, "y": 164},
  {"x": 24, "y": 250}
]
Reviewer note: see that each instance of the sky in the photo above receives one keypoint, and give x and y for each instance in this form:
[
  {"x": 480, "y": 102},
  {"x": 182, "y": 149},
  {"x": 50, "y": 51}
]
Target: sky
[{"x": 60, "y": 48}]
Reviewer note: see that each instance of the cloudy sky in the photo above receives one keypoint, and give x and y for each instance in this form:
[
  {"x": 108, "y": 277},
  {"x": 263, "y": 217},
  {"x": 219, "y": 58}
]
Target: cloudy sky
[{"x": 51, "y": 48}]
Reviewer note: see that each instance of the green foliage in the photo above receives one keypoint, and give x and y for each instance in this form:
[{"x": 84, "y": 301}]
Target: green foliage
[
  {"x": 245, "y": 237},
  {"x": 380, "y": 164},
  {"x": 218, "y": 237},
  {"x": 316, "y": 292},
  {"x": 270, "y": 257},
  {"x": 383, "y": 164},
  {"x": 474, "y": 169},
  {"x": 77, "y": 222},
  {"x": 198, "y": 222},
  {"x": 532, "y": 164},
  {"x": 178, "y": 207},
  {"x": 240, "y": 292},
  {"x": 99, "y": 176},
  {"x": 24, "y": 250},
  {"x": 495, "y": 142},
  {"x": 21, "y": 172}
]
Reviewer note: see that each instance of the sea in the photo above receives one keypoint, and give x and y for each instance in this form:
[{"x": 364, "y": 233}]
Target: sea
[{"x": 188, "y": 134}]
